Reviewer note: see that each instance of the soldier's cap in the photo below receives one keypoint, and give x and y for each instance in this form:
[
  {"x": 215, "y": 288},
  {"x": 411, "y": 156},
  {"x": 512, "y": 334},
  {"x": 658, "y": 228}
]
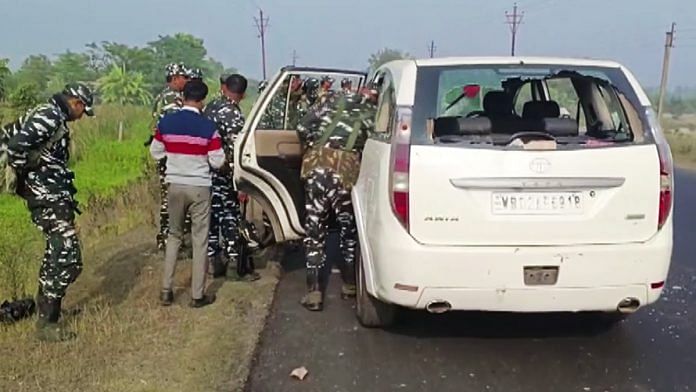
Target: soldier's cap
[
  {"x": 194, "y": 73},
  {"x": 346, "y": 82},
  {"x": 83, "y": 93},
  {"x": 327, "y": 79},
  {"x": 175, "y": 69}
]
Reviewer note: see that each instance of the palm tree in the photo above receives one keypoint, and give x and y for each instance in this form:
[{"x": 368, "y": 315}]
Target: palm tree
[{"x": 123, "y": 87}]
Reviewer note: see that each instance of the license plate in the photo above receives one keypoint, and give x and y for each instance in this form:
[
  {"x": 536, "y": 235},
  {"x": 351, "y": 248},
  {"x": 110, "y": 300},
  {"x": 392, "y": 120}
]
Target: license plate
[
  {"x": 540, "y": 276},
  {"x": 537, "y": 203}
]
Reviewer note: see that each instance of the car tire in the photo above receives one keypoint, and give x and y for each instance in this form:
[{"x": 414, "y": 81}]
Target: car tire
[{"x": 371, "y": 312}]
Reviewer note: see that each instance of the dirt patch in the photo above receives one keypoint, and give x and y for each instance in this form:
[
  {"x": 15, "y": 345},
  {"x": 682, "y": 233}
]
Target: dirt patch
[{"x": 127, "y": 342}]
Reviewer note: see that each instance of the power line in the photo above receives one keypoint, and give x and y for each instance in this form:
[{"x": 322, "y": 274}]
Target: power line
[
  {"x": 262, "y": 25},
  {"x": 514, "y": 20},
  {"x": 669, "y": 44},
  {"x": 431, "y": 49}
]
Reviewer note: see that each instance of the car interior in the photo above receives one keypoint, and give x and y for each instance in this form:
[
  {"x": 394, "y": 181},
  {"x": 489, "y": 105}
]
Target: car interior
[
  {"x": 566, "y": 108},
  {"x": 278, "y": 148}
]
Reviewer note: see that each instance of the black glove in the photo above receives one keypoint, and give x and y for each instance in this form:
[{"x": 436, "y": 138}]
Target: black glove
[{"x": 149, "y": 141}]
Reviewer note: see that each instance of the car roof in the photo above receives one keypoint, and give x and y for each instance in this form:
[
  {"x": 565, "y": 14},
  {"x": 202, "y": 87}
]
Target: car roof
[
  {"x": 404, "y": 71},
  {"x": 583, "y": 62}
]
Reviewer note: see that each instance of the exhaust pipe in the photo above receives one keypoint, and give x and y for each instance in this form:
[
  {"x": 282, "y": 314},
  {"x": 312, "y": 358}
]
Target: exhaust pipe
[
  {"x": 628, "y": 305},
  {"x": 438, "y": 307}
]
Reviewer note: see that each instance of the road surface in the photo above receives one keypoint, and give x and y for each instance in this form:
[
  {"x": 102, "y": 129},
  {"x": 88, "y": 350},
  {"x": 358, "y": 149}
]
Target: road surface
[{"x": 654, "y": 350}]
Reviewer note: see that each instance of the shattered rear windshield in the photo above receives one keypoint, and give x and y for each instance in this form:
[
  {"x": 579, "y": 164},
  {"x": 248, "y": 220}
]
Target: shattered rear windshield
[{"x": 492, "y": 104}]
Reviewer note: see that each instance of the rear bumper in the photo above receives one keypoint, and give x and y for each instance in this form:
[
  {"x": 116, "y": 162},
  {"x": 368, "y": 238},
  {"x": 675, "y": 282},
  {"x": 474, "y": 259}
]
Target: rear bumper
[{"x": 591, "y": 278}]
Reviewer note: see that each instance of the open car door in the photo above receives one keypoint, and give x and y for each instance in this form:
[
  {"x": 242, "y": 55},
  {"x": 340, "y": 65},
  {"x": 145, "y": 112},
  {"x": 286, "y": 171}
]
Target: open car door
[{"x": 268, "y": 153}]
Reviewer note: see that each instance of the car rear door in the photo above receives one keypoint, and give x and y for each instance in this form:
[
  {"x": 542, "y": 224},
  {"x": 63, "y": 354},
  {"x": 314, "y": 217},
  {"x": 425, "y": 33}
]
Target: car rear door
[
  {"x": 268, "y": 152},
  {"x": 599, "y": 193}
]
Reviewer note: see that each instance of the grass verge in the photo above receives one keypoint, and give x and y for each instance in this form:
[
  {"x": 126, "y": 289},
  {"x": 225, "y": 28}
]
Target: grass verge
[{"x": 128, "y": 343}]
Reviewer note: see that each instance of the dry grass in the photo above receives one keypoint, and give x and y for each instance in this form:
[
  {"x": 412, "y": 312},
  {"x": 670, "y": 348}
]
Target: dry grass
[
  {"x": 128, "y": 343},
  {"x": 681, "y": 134}
]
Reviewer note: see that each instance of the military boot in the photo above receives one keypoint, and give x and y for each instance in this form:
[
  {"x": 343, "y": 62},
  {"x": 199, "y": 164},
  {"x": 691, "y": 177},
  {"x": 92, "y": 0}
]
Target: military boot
[
  {"x": 47, "y": 328},
  {"x": 314, "y": 299},
  {"x": 348, "y": 289}
]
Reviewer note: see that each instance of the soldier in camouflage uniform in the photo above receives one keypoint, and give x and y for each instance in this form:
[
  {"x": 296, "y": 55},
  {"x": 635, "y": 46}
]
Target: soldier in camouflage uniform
[
  {"x": 346, "y": 86},
  {"x": 166, "y": 102},
  {"x": 38, "y": 150},
  {"x": 228, "y": 117},
  {"x": 334, "y": 135}
]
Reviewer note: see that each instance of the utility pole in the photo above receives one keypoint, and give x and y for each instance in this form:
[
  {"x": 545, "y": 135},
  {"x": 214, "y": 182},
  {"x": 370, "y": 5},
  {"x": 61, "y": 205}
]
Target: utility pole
[
  {"x": 669, "y": 44},
  {"x": 431, "y": 49},
  {"x": 262, "y": 25},
  {"x": 294, "y": 58},
  {"x": 514, "y": 20}
]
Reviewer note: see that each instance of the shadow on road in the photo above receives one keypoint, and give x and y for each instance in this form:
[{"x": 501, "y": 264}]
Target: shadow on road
[{"x": 491, "y": 325}]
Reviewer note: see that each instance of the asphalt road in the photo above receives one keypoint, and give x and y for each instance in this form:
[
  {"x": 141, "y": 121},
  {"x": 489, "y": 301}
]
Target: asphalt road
[{"x": 653, "y": 350}]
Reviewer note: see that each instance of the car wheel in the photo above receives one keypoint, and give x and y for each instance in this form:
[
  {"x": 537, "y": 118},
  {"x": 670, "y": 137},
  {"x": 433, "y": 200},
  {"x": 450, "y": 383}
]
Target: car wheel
[{"x": 371, "y": 312}]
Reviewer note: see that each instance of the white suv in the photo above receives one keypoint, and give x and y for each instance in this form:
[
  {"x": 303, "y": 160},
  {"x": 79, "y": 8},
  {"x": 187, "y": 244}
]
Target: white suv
[{"x": 491, "y": 199}]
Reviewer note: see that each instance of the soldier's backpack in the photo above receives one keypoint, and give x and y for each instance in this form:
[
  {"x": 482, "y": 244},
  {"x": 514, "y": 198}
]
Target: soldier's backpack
[
  {"x": 345, "y": 162},
  {"x": 8, "y": 177}
]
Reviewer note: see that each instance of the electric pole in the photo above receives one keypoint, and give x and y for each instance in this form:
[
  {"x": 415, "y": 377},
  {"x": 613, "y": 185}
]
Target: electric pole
[
  {"x": 669, "y": 44},
  {"x": 431, "y": 49},
  {"x": 514, "y": 20},
  {"x": 262, "y": 25},
  {"x": 294, "y": 57}
]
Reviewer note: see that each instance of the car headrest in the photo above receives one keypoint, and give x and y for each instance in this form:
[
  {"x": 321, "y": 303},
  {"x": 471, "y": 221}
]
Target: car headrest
[
  {"x": 497, "y": 103},
  {"x": 459, "y": 126},
  {"x": 537, "y": 110},
  {"x": 560, "y": 127}
]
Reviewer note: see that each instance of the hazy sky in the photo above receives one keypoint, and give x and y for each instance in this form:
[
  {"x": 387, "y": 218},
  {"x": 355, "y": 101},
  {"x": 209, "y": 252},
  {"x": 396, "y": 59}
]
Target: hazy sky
[{"x": 344, "y": 33}]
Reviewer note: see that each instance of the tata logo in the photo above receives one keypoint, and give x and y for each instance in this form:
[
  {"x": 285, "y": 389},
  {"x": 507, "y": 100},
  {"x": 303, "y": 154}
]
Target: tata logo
[{"x": 539, "y": 165}]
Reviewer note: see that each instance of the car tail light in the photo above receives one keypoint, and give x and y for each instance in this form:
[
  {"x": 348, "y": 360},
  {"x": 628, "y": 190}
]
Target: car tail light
[
  {"x": 666, "y": 170},
  {"x": 666, "y": 178},
  {"x": 400, "y": 165}
]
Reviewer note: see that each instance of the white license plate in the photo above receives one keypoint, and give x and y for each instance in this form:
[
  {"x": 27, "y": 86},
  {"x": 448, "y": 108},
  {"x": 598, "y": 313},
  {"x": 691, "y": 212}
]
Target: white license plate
[{"x": 537, "y": 203}]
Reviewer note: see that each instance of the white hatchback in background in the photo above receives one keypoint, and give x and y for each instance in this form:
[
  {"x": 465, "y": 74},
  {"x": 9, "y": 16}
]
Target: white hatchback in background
[{"x": 493, "y": 200}]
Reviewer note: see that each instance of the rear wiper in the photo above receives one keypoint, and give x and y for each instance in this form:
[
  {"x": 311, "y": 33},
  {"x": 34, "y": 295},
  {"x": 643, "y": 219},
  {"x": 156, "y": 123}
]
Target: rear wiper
[{"x": 614, "y": 135}]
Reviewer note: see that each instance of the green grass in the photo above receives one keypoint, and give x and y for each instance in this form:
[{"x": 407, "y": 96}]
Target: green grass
[{"x": 103, "y": 166}]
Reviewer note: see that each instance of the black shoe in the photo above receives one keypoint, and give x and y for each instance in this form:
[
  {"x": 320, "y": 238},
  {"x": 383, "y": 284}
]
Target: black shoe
[
  {"x": 161, "y": 242},
  {"x": 166, "y": 298},
  {"x": 201, "y": 302}
]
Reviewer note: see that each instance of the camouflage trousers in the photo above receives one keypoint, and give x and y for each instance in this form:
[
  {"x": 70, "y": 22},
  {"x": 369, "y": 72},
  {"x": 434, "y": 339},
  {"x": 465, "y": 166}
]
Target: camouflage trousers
[
  {"x": 326, "y": 194},
  {"x": 62, "y": 261},
  {"x": 224, "y": 219},
  {"x": 164, "y": 214}
]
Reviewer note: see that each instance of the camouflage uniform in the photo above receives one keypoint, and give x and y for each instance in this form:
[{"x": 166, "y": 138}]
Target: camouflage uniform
[
  {"x": 39, "y": 150},
  {"x": 334, "y": 134},
  {"x": 166, "y": 102},
  {"x": 225, "y": 205}
]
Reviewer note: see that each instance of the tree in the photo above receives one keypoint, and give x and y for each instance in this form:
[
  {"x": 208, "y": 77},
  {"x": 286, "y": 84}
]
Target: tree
[
  {"x": 36, "y": 69},
  {"x": 74, "y": 67},
  {"x": 386, "y": 55},
  {"x": 123, "y": 87},
  {"x": 24, "y": 97},
  {"x": 5, "y": 73}
]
